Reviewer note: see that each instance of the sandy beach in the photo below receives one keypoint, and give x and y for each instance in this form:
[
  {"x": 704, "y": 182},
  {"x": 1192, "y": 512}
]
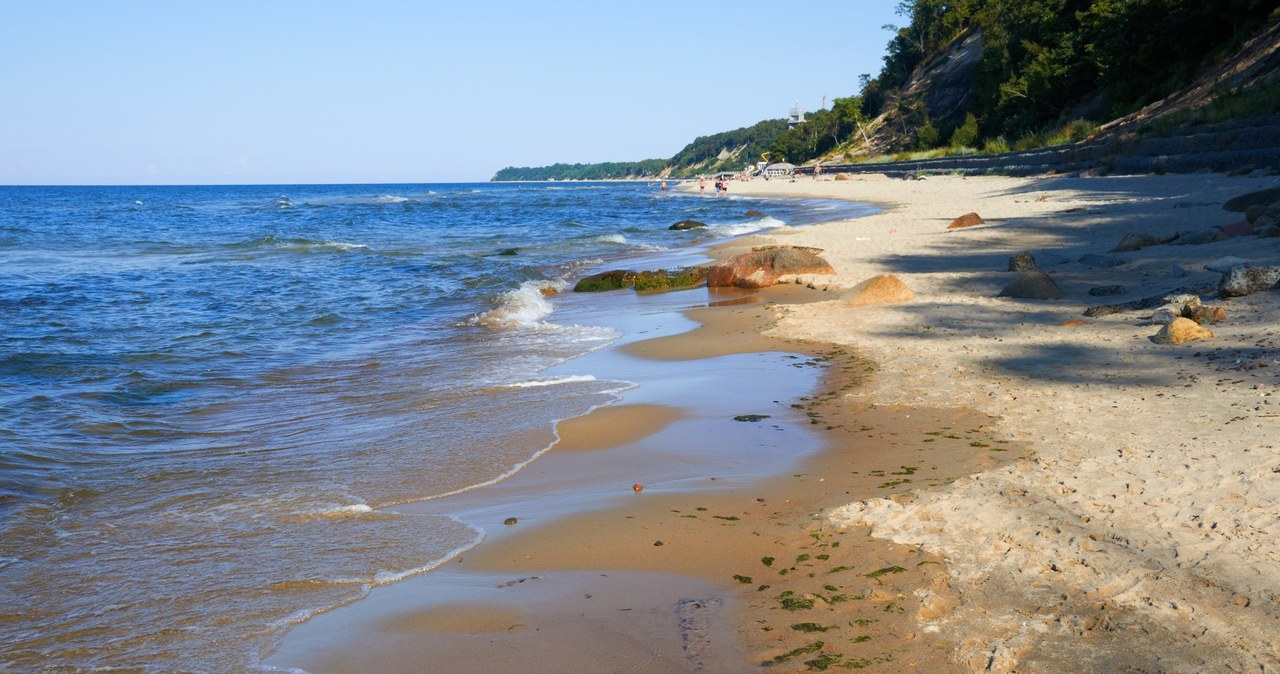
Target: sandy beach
[
  {"x": 1138, "y": 532},
  {"x": 1002, "y": 484}
]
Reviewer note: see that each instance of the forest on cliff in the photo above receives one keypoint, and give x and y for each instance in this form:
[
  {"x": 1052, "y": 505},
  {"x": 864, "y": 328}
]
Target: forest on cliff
[{"x": 989, "y": 75}]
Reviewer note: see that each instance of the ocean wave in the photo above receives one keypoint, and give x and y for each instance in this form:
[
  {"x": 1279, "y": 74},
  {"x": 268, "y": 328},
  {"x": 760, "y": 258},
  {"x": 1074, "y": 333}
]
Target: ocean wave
[
  {"x": 570, "y": 379},
  {"x": 747, "y": 227},
  {"x": 612, "y": 238},
  {"x": 523, "y": 307},
  {"x": 389, "y": 199},
  {"x": 272, "y": 243}
]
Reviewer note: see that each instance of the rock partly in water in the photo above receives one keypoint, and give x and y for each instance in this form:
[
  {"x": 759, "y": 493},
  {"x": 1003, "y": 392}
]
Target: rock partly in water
[
  {"x": 1242, "y": 228},
  {"x": 1107, "y": 291},
  {"x": 754, "y": 214},
  {"x": 1180, "y": 331},
  {"x": 1251, "y": 213},
  {"x": 1023, "y": 261},
  {"x": 1033, "y": 285},
  {"x": 1247, "y": 279},
  {"x": 882, "y": 289},
  {"x": 616, "y": 279},
  {"x": 762, "y": 268},
  {"x": 688, "y": 224},
  {"x": 966, "y": 220},
  {"x": 670, "y": 279}
]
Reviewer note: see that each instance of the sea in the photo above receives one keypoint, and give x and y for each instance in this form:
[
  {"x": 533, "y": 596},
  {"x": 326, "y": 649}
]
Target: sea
[{"x": 213, "y": 397}]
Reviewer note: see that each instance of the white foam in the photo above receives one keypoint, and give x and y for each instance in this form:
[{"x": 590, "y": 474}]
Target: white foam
[
  {"x": 612, "y": 238},
  {"x": 523, "y": 307},
  {"x": 570, "y": 379},
  {"x": 390, "y": 199},
  {"x": 748, "y": 227}
]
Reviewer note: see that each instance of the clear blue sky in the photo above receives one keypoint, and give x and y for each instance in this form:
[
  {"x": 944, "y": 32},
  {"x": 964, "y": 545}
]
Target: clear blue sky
[{"x": 173, "y": 92}]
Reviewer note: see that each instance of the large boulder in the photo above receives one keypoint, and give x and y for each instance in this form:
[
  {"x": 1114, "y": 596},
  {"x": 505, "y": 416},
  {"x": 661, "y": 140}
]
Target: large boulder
[
  {"x": 1262, "y": 198},
  {"x": 1033, "y": 285},
  {"x": 1181, "y": 330},
  {"x": 966, "y": 220},
  {"x": 762, "y": 268},
  {"x": 882, "y": 289},
  {"x": 1246, "y": 279}
]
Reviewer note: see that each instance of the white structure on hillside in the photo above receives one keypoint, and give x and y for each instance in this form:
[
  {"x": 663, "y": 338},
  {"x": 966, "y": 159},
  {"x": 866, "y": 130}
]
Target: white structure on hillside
[{"x": 797, "y": 116}]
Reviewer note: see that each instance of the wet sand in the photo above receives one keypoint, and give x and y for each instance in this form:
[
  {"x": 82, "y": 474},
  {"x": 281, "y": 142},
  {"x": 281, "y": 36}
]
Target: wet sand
[{"x": 713, "y": 566}]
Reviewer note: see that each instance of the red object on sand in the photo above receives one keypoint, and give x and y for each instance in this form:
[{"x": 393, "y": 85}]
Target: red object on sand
[{"x": 637, "y": 486}]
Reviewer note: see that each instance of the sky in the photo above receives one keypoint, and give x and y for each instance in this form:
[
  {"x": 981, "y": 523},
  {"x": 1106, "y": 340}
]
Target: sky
[{"x": 262, "y": 92}]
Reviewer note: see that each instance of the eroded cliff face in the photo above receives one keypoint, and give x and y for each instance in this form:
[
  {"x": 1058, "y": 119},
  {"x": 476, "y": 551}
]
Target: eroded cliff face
[{"x": 938, "y": 92}]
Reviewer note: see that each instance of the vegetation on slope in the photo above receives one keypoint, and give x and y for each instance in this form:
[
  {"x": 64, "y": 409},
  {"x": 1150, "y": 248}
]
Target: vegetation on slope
[{"x": 1033, "y": 72}]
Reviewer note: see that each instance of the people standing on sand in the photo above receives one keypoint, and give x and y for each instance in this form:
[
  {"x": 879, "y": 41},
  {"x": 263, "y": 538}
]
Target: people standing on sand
[
  {"x": 817, "y": 170},
  {"x": 702, "y": 186}
]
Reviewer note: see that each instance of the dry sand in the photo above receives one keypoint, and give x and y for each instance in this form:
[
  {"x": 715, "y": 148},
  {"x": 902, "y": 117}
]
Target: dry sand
[{"x": 1142, "y": 532}]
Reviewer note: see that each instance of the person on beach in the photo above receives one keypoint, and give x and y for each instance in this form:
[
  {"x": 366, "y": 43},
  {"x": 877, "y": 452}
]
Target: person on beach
[
  {"x": 817, "y": 170},
  {"x": 664, "y": 186},
  {"x": 702, "y": 186}
]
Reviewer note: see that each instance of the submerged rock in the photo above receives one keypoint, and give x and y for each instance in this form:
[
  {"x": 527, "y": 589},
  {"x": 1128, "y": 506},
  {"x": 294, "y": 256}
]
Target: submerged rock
[
  {"x": 1033, "y": 285},
  {"x": 1197, "y": 238},
  {"x": 1106, "y": 291},
  {"x": 762, "y": 268},
  {"x": 688, "y": 224}
]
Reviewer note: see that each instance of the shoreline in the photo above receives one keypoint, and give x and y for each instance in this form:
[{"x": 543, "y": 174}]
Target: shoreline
[{"x": 1006, "y": 560}]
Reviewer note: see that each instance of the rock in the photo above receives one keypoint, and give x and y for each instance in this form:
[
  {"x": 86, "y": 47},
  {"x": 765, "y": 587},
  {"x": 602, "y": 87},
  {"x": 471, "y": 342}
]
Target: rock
[
  {"x": 883, "y": 289},
  {"x": 1181, "y": 330},
  {"x": 608, "y": 280},
  {"x": 751, "y": 418},
  {"x": 1253, "y": 211},
  {"x": 1023, "y": 261},
  {"x": 1106, "y": 291},
  {"x": 1242, "y": 203},
  {"x": 1132, "y": 242},
  {"x": 1194, "y": 238},
  {"x": 754, "y": 214},
  {"x": 1202, "y": 315},
  {"x": 762, "y": 268},
  {"x": 1270, "y": 216},
  {"x": 1096, "y": 260},
  {"x": 1183, "y": 300},
  {"x": 843, "y": 176},
  {"x": 1245, "y": 279},
  {"x": 673, "y": 279},
  {"x": 1242, "y": 228},
  {"x": 688, "y": 224},
  {"x": 1224, "y": 264},
  {"x": 1243, "y": 169},
  {"x": 1033, "y": 285},
  {"x": 1164, "y": 316},
  {"x": 1176, "y": 271},
  {"x": 1269, "y": 232},
  {"x": 966, "y": 220},
  {"x": 507, "y": 252}
]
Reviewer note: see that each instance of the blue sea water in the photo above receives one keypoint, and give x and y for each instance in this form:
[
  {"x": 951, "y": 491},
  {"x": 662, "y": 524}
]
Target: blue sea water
[{"x": 208, "y": 393}]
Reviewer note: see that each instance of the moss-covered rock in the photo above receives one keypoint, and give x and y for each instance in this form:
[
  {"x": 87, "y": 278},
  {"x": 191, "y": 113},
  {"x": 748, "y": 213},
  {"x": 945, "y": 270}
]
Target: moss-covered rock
[
  {"x": 616, "y": 279},
  {"x": 670, "y": 279}
]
